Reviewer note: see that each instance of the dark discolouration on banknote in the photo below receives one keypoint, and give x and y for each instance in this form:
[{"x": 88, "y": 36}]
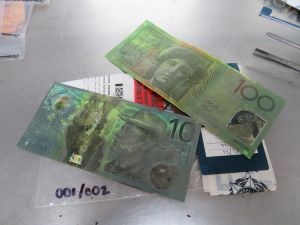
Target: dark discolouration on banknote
[{"x": 140, "y": 146}]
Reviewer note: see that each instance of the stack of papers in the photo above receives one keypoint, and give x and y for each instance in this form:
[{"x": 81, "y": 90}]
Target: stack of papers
[
  {"x": 216, "y": 156},
  {"x": 224, "y": 170}
]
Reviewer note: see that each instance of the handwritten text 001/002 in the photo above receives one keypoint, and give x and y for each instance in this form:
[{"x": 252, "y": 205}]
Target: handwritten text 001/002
[{"x": 86, "y": 191}]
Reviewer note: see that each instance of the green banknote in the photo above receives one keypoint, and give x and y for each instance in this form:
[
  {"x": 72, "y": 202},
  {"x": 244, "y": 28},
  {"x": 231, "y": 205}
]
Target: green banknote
[
  {"x": 137, "y": 145},
  {"x": 231, "y": 105}
]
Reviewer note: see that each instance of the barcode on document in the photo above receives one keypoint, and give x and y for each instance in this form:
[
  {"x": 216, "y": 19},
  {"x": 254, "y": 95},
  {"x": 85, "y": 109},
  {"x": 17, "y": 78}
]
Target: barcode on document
[{"x": 119, "y": 92}]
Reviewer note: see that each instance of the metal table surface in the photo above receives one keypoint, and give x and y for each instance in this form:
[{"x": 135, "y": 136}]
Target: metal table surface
[{"x": 68, "y": 40}]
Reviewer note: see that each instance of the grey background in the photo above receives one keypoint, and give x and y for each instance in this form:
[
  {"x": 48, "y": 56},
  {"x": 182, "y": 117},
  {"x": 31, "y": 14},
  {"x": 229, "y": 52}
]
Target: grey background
[{"x": 68, "y": 40}]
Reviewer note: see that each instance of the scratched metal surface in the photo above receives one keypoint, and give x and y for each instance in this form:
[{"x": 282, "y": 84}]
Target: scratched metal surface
[{"x": 68, "y": 40}]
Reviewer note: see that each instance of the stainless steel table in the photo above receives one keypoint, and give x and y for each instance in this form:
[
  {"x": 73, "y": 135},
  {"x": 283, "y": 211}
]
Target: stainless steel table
[{"x": 68, "y": 40}]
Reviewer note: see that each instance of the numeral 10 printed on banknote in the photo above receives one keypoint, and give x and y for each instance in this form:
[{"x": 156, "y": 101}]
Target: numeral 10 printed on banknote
[{"x": 229, "y": 104}]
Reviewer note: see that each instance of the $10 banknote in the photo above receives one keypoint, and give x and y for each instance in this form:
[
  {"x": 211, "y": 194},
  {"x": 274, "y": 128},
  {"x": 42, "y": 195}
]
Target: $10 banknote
[
  {"x": 137, "y": 145},
  {"x": 231, "y": 105}
]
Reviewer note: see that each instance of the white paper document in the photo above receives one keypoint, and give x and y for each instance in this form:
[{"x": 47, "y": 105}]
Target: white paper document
[
  {"x": 244, "y": 182},
  {"x": 293, "y": 3},
  {"x": 118, "y": 85}
]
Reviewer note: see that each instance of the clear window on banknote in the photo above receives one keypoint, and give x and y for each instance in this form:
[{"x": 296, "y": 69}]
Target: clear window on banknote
[
  {"x": 15, "y": 17},
  {"x": 11, "y": 48},
  {"x": 245, "y": 126},
  {"x": 60, "y": 184}
]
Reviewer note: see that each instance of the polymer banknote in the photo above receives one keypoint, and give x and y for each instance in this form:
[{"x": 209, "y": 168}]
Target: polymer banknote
[
  {"x": 229, "y": 104},
  {"x": 140, "y": 146}
]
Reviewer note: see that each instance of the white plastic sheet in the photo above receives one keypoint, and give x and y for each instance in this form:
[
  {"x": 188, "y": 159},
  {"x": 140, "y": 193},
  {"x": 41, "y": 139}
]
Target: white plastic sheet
[
  {"x": 12, "y": 48},
  {"x": 60, "y": 184},
  {"x": 15, "y": 17}
]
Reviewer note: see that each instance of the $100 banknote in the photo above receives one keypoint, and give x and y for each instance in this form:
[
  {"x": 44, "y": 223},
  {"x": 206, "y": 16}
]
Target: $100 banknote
[
  {"x": 231, "y": 105},
  {"x": 137, "y": 145}
]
